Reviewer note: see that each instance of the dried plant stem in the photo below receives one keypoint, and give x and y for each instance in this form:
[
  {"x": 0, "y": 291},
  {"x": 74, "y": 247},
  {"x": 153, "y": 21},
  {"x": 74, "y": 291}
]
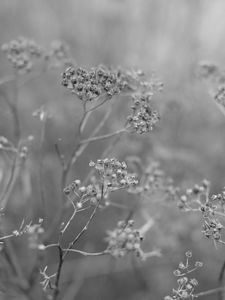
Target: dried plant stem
[
  {"x": 85, "y": 228},
  {"x": 105, "y": 153},
  {"x": 13, "y": 105},
  {"x": 66, "y": 168},
  {"x": 15, "y": 171},
  {"x": 69, "y": 221},
  {"x": 63, "y": 252},
  {"x": 58, "y": 273},
  {"x": 21, "y": 281},
  {"x": 209, "y": 292},
  {"x": 41, "y": 165},
  {"x": 220, "y": 281},
  {"x": 84, "y": 253},
  {"x": 102, "y": 137}
]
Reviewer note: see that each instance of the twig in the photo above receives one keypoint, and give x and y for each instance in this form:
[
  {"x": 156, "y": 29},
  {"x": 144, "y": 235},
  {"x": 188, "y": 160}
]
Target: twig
[
  {"x": 220, "y": 281},
  {"x": 66, "y": 168},
  {"x": 102, "y": 137},
  {"x": 71, "y": 244},
  {"x": 63, "y": 252},
  {"x": 209, "y": 292},
  {"x": 86, "y": 253},
  {"x": 58, "y": 273},
  {"x": 17, "y": 163}
]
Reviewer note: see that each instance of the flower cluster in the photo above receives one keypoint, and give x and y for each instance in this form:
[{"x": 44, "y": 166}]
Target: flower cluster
[
  {"x": 137, "y": 80},
  {"x": 219, "y": 95},
  {"x": 155, "y": 180},
  {"x": 186, "y": 286},
  {"x": 124, "y": 239},
  {"x": 194, "y": 198},
  {"x": 59, "y": 55},
  {"x": 90, "y": 85},
  {"x": 212, "y": 229},
  {"x": 21, "y": 52},
  {"x": 81, "y": 194},
  {"x": 114, "y": 174},
  {"x": 35, "y": 233},
  {"x": 211, "y": 207},
  {"x": 215, "y": 78},
  {"x": 143, "y": 118}
]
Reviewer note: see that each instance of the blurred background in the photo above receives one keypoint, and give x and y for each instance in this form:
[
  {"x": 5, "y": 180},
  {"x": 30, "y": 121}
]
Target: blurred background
[{"x": 169, "y": 38}]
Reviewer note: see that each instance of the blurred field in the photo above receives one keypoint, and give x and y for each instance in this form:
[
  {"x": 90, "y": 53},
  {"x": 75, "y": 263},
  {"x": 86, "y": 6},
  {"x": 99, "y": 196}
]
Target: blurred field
[{"x": 170, "y": 38}]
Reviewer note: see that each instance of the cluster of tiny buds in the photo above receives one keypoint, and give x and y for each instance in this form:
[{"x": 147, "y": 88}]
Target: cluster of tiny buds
[
  {"x": 143, "y": 118},
  {"x": 114, "y": 174},
  {"x": 157, "y": 181},
  {"x": 23, "y": 152},
  {"x": 219, "y": 95},
  {"x": 212, "y": 229},
  {"x": 193, "y": 194},
  {"x": 34, "y": 232},
  {"x": 59, "y": 55},
  {"x": 21, "y": 52},
  {"x": 81, "y": 194},
  {"x": 90, "y": 85},
  {"x": 124, "y": 239},
  {"x": 186, "y": 286},
  {"x": 220, "y": 197}
]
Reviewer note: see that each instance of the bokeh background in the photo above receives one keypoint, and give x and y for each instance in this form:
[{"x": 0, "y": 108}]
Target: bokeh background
[{"x": 168, "y": 37}]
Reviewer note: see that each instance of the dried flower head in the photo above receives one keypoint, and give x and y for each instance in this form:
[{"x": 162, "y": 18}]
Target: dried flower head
[
  {"x": 21, "y": 52},
  {"x": 59, "y": 55},
  {"x": 124, "y": 239},
  {"x": 90, "y": 85},
  {"x": 143, "y": 118},
  {"x": 35, "y": 233},
  {"x": 114, "y": 174}
]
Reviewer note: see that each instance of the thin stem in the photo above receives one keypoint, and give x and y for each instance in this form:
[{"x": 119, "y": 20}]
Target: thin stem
[
  {"x": 13, "y": 260},
  {"x": 17, "y": 163},
  {"x": 98, "y": 105},
  {"x": 220, "y": 281},
  {"x": 105, "y": 153},
  {"x": 58, "y": 273},
  {"x": 102, "y": 137},
  {"x": 84, "y": 229},
  {"x": 86, "y": 253},
  {"x": 6, "y": 237},
  {"x": 60, "y": 156},
  {"x": 66, "y": 167},
  {"x": 86, "y": 115},
  {"x": 209, "y": 292},
  {"x": 64, "y": 252},
  {"x": 51, "y": 245},
  {"x": 69, "y": 221}
]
